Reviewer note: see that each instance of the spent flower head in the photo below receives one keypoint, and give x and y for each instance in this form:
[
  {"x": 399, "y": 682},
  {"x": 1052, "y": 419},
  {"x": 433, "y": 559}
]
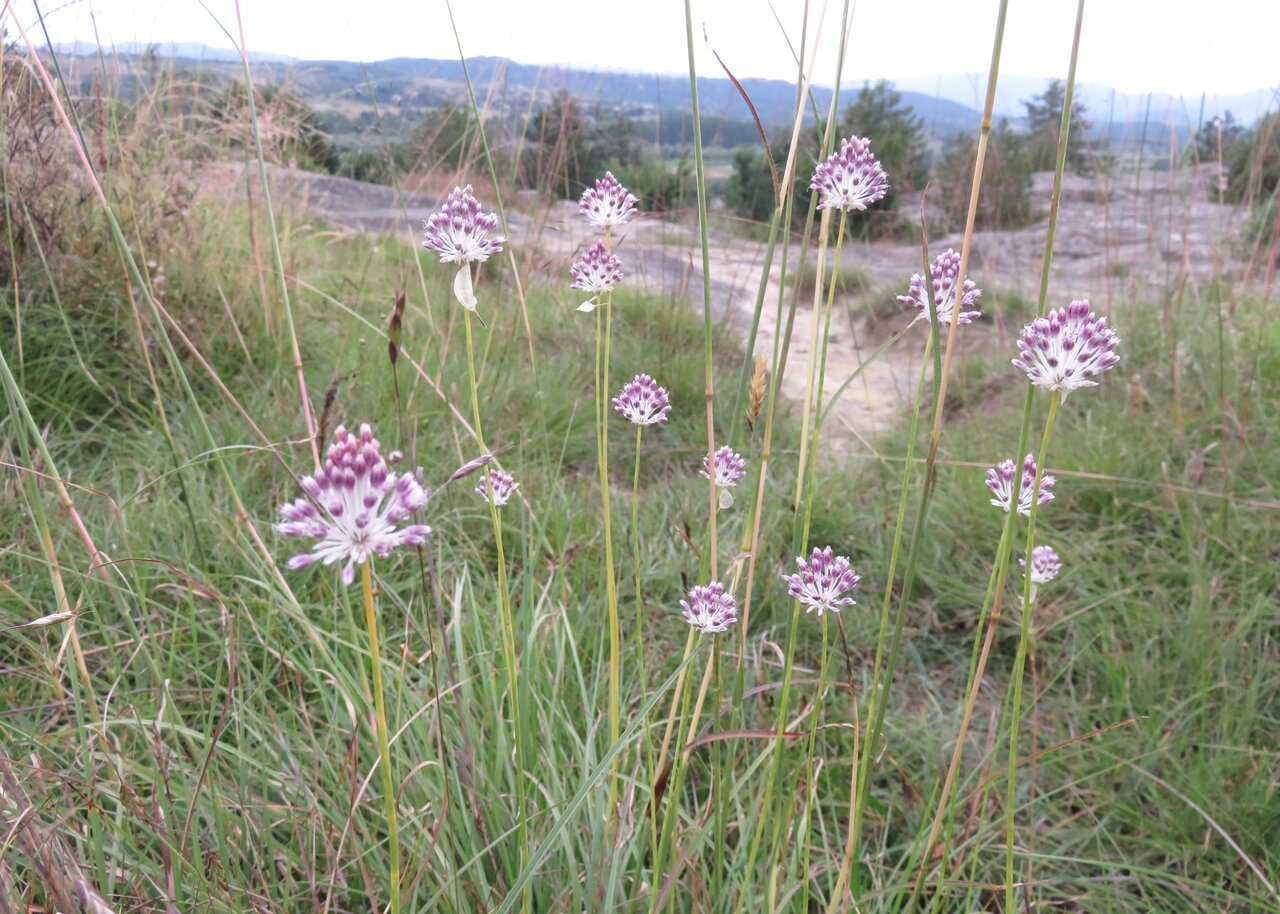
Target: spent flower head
[
  {"x": 709, "y": 609},
  {"x": 943, "y": 273},
  {"x": 460, "y": 232},
  {"x": 353, "y": 506},
  {"x": 503, "y": 487},
  {"x": 1067, "y": 349},
  {"x": 1000, "y": 481},
  {"x": 642, "y": 401},
  {"x": 597, "y": 272},
  {"x": 608, "y": 203},
  {"x": 851, "y": 178},
  {"x": 821, "y": 582}
]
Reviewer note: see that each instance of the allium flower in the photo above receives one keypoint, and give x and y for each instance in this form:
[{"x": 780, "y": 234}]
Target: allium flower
[
  {"x": 709, "y": 609},
  {"x": 821, "y": 582},
  {"x": 503, "y": 487},
  {"x": 642, "y": 401},
  {"x": 730, "y": 467},
  {"x": 353, "y": 505},
  {"x": 1067, "y": 349},
  {"x": 459, "y": 231},
  {"x": 1045, "y": 565},
  {"x": 596, "y": 272},
  {"x": 608, "y": 203},
  {"x": 1000, "y": 481},
  {"x": 851, "y": 178},
  {"x": 943, "y": 272}
]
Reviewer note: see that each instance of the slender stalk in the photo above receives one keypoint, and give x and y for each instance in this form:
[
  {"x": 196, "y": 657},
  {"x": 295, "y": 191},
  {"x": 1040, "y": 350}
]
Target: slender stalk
[
  {"x": 1024, "y": 638},
  {"x": 506, "y": 621},
  {"x": 611, "y": 584},
  {"x": 650, "y": 769},
  {"x": 991, "y": 613},
  {"x": 384, "y": 744}
]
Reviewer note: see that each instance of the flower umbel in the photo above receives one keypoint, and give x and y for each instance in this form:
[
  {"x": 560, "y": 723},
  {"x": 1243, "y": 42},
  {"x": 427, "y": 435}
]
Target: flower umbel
[
  {"x": 460, "y": 232},
  {"x": 821, "y": 582},
  {"x": 851, "y": 178},
  {"x": 642, "y": 401},
  {"x": 730, "y": 467},
  {"x": 597, "y": 272},
  {"x": 353, "y": 505},
  {"x": 943, "y": 272},
  {"x": 1067, "y": 349},
  {"x": 1045, "y": 565},
  {"x": 608, "y": 203},
  {"x": 709, "y": 609},
  {"x": 503, "y": 487},
  {"x": 1000, "y": 481}
]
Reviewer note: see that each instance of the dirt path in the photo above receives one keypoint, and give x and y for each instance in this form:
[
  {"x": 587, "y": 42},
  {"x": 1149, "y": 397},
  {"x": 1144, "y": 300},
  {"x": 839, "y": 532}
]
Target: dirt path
[{"x": 1116, "y": 241}]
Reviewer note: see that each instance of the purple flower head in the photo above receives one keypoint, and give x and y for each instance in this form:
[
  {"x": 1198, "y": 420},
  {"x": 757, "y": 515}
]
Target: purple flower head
[
  {"x": 459, "y": 231},
  {"x": 1000, "y": 481},
  {"x": 709, "y": 609},
  {"x": 730, "y": 467},
  {"x": 503, "y": 487},
  {"x": 608, "y": 203},
  {"x": 821, "y": 582},
  {"x": 642, "y": 401},
  {"x": 597, "y": 271},
  {"x": 1045, "y": 565},
  {"x": 353, "y": 505},
  {"x": 851, "y": 178},
  {"x": 1067, "y": 349},
  {"x": 943, "y": 272}
]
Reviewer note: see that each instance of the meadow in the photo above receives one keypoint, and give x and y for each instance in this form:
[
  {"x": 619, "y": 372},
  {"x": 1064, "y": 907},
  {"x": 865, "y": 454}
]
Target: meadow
[{"x": 602, "y": 681}]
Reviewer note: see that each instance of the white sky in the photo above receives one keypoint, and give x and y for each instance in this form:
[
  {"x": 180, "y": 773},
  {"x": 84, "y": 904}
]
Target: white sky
[{"x": 1138, "y": 46}]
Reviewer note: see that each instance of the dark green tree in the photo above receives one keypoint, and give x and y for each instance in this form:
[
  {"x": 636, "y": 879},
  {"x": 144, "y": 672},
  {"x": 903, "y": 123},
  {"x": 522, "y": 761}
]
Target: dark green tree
[
  {"x": 1004, "y": 201},
  {"x": 566, "y": 148},
  {"x": 1218, "y": 138},
  {"x": 879, "y": 114},
  {"x": 1044, "y": 122},
  {"x": 1253, "y": 166}
]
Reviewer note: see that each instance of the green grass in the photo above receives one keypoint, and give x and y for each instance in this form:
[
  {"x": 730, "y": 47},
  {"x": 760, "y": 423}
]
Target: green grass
[{"x": 214, "y": 748}]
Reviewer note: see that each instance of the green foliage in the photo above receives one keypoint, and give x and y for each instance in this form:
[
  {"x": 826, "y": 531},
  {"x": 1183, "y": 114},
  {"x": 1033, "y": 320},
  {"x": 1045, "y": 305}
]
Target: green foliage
[
  {"x": 1044, "y": 123},
  {"x": 1217, "y": 140},
  {"x": 1005, "y": 198},
  {"x": 659, "y": 188},
  {"x": 1253, "y": 162},
  {"x": 567, "y": 149}
]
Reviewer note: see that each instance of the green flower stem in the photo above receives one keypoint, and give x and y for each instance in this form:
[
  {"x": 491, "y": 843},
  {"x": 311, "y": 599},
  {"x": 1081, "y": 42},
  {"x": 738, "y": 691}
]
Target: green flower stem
[
  {"x": 384, "y": 744},
  {"x": 639, "y": 632},
  {"x": 1024, "y": 638},
  {"x": 990, "y": 615},
  {"x": 506, "y": 621}
]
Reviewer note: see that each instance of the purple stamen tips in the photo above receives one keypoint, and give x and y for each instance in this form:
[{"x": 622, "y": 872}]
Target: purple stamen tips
[
  {"x": 821, "y": 582},
  {"x": 1067, "y": 349},
  {"x": 730, "y": 467},
  {"x": 642, "y": 401},
  {"x": 1045, "y": 565},
  {"x": 354, "y": 506},
  {"x": 709, "y": 609},
  {"x": 608, "y": 203},
  {"x": 943, "y": 272},
  {"x": 503, "y": 487},
  {"x": 1000, "y": 481},
  {"x": 596, "y": 272},
  {"x": 460, "y": 232},
  {"x": 851, "y": 178}
]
